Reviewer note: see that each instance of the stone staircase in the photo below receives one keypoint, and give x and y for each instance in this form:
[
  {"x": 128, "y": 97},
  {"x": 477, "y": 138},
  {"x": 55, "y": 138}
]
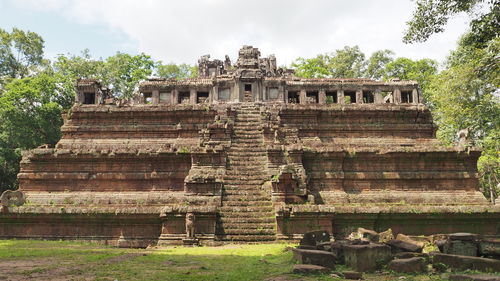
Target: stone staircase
[{"x": 247, "y": 213}]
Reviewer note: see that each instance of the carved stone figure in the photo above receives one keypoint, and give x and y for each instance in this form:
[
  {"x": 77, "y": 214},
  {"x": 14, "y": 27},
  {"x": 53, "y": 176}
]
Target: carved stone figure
[
  {"x": 463, "y": 136},
  {"x": 190, "y": 225},
  {"x": 12, "y": 197}
]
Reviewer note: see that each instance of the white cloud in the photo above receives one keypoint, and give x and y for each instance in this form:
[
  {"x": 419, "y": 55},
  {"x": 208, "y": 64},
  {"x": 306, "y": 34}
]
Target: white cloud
[{"x": 181, "y": 31}]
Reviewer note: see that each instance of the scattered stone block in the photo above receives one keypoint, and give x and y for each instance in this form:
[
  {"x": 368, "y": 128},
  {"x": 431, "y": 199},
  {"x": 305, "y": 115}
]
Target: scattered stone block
[
  {"x": 337, "y": 248},
  {"x": 309, "y": 269},
  {"x": 407, "y": 255},
  {"x": 367, "y": 258},
  {"x": 307, "y": 247},
  {"x": 368, "y": 234},
  {"x": 440, "y": 244},
  {"x": 385, "y": 236},
  {"x": 402, "y": 246},
  {"x": 473, "y": 277},
  {"x": 410, "y": 265},
  {"x": 352, "y": 275},
  {"x": 489, "y": 247},
  {"x": 316, "y": 257},
  {"x": 463, "y": 244},
  {"x": 407, "y": 239},
  {"x": 314, "y": 238},
  {"x": 466, "y": 262}
]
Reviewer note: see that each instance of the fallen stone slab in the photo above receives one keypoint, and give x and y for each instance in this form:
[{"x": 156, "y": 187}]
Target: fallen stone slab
[
  {"x": 309, "y": 269},
  {"x": 410, "y": 265},
  {"x": 402, "y": 246},
  {"x": 407, "y": 239},
  {"x": 314, "y": 238},
  {"x": 489, "y": 247},
  {"x": 473, "y": 277},
  {"x": 367, "y": 258},
  {"x": 316, "y": 257},
  {"x": 462, "y": 236},
  {"x": 407, "y": 255},
  {"x": 352, "y": 275},
  {"x": 306, "y": 247},
  {"x": 466, "y": 262},
  {"x": 368, "y": 234}
]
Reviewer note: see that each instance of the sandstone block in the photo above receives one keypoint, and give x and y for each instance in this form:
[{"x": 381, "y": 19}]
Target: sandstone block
[
  {"x": 309, "y": 269},
  {"x": 313, "y": 238},
  {"x": 402, "y": 246},
  {"x": 316, "y": 257},
  {"x": 366, "y": 258},
  {"x": 410, "y": 265},
  {"x": 473, "y": 277},
  {"x": 466, "y": 262}
]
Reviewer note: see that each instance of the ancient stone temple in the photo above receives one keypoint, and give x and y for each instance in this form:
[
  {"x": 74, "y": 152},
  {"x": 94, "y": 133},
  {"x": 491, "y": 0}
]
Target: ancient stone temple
[{"x": 246, "y": 152}]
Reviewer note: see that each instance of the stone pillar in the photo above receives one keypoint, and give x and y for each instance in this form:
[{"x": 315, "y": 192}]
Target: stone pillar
[
  {"x": 281, "y": 93},
  {"x": 359, "y": 96},
  {"x": 175, "y": 96},
  {"x": 156, "y": 97},
  {"x": 397, "y": 96},
  {"x": 340, "y": 97},
  {"x": 302, "y": 97},
  {"x": 192, "y": 96},
  {"x": 322, "y": 97},
  {"x": 378, "y": 96},
  {"x": 285, "y": 96},
  {"x": 215, "y": 95},
  {"x": 414, "y": 94}
]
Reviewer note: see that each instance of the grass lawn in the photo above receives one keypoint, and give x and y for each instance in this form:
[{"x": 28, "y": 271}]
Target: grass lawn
[{"x": 61, "y": 260}]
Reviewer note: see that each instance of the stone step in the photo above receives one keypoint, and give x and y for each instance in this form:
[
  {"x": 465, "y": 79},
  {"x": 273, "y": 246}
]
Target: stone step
[
  {"x": 248, "y": 238},
  {"x": 225, "y": 220},
  {"x": 241, "y": 196},
  {"x": 247, "y": 151},
  {"x": 237, "y": 231},
  {"x": 243, "y": 225},
  {"x": 246, "y": 181},
  {"x": 244, "y": 203},
  {"x": 246, "y": 209},
  {"x": 246, "y": 212}
]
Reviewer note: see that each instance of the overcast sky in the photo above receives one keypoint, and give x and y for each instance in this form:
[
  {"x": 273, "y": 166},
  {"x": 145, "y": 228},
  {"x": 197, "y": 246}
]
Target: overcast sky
[{"x": 182, "y": 31}]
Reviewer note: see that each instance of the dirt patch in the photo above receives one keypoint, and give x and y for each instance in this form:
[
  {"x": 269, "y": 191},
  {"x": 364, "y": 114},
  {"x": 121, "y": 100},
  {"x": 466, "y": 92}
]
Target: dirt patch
[{"x": 125, "y": 257}]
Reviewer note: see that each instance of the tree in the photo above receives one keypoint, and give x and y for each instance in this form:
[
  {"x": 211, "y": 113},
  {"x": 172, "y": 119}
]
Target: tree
[
  {"x": 348, "y": 62},
  {"x": 121, "y": 72},
  {"x": 20, "y": 52},
  {"x": 83, "y": 66},
  {"x": 30, "y": 111},
  {"x": 377, "y": 64},
  {"x": 312, "y": 68},
  {"x": 431, "y": 16},
  {"x": 124, "y": 72},
  {"x": 465, "y": 95},
  {"x": 406, "y": 69},
  {"x": 177, "y": 71}
]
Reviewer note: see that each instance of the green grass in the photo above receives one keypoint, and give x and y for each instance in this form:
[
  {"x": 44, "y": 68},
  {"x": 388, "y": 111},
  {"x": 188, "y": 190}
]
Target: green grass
[{"x": 62, "y": 260}]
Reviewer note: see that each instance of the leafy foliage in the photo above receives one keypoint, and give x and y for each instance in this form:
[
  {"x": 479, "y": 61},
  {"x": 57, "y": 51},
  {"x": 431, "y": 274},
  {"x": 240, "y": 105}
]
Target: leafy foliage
[
  {"x": 30, "y": 114},
  {"x": 20, "y": 53},
  {"x": 431, "y": 16},
  {"x": 177, "y": 71},
  {"x": 377, "y": 63},
  {"x": 343, "y": 63},
  {"x": 407, "y": 69},
  {"x": 466, "y": 95}
]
